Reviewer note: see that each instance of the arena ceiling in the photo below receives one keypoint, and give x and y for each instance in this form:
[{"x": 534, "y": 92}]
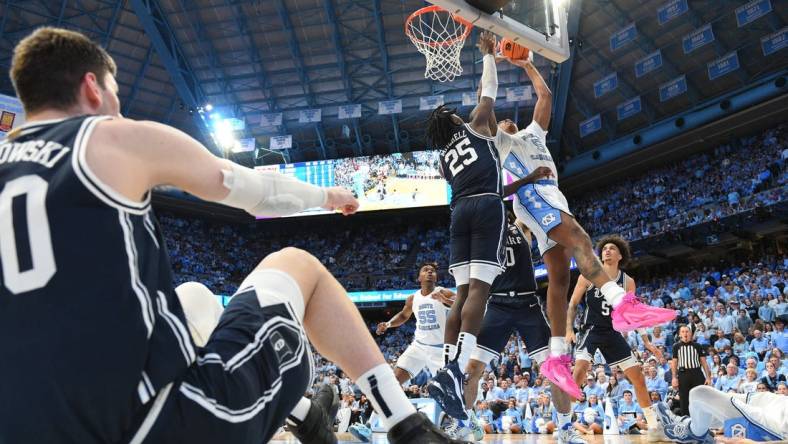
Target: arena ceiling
[{"x": 248, "y": 58}]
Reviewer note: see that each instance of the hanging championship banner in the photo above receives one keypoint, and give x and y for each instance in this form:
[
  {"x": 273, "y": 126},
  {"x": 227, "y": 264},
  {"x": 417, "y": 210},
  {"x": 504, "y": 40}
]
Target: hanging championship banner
[
  {"x": 350, "y": 111},
  {"x": 519, "y": 93},
  {"x": 696, "y": 39},
  {"x": 605, "y": 85},
  {"x": 673, "y": 88},
  {"x": 468, "y": 99},
  {"x": 310, "y": 115},
  {"x": 244, "y": 145},
  {"x": 12, "y": 114},
  {"x": 429, "y": 103},
  {"x": 629, "y": 108},
  {"x": 723, "y": 65},
  {"x": 671, "y": 10},
  {"x": 622, "y": 37},
  {"x": 775, "y": 42},
  {"x": 752, "y": 11},
  {"x": 390, "y": 107},
  {"x": 281, "y": 142},
  {"x": 591, "y": 125},
  {"x": 272, "y": 119},
  {"x": 648, "y": 63}
]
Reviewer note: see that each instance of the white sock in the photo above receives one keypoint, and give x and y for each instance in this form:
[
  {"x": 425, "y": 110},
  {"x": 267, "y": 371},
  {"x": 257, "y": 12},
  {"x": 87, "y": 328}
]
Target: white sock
[
  {"x": 558, "y": 346},
  {"x": 650, "y": 415},
  {"x": 613, "y": 293},
  {"x": 385, "y": 394},
  {"x": 466, "y": 344},
  {"x": 564, "y": 418},
  {"x": 299, "y": 412},
  {"x": 449, "y": 353}
]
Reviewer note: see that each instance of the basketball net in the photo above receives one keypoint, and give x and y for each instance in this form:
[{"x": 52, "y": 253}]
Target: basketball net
[{"x": 439, "y": 35}]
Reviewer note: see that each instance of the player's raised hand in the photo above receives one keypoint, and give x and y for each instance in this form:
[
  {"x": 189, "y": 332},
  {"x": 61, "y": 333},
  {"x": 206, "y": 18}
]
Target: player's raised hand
[
  {"x": 341, "y": 199},
  {"x": 446, "y": 297},
  {"x": 486, "y": 43},
  {"x": 382, "y": 327},
  {"x": 523, "y": 63}
]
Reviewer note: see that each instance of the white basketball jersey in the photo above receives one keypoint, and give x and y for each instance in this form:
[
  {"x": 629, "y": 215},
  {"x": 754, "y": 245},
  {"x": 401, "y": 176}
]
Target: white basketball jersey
[
  {"x": 528, "y": 150},
  {"x": 430, "y": 318}
]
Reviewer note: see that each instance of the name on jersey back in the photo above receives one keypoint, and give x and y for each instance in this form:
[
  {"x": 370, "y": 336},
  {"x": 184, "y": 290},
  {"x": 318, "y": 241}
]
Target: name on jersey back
[{"x": 43, "y": 152}]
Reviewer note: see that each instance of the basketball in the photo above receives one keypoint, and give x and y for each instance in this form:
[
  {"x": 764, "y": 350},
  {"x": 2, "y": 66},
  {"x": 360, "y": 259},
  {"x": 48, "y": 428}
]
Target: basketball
[{"x": 513, "y": 51}]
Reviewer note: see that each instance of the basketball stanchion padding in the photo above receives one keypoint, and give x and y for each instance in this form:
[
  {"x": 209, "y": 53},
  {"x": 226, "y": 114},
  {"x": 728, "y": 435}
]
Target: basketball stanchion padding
[
  {"x": 439, "y": 35},
  {"x": 512, "y": 50}
]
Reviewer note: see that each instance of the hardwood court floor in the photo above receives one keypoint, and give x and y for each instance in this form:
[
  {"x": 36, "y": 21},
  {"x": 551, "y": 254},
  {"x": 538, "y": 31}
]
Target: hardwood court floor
[{"x": 379, "y": 438}]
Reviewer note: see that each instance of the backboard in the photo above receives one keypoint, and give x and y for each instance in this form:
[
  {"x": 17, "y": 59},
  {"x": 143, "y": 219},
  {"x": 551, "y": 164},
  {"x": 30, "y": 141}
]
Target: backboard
[{"x": 540, "y": 25}]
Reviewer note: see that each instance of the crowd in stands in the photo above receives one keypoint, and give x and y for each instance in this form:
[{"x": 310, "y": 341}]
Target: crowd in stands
[{"x": 737, "y": 177}]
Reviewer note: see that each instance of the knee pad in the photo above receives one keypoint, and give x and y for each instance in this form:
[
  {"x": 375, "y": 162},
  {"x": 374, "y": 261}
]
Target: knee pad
[
  {"x": 201, "y": 308},
  {"x": 274, "y": 287}
]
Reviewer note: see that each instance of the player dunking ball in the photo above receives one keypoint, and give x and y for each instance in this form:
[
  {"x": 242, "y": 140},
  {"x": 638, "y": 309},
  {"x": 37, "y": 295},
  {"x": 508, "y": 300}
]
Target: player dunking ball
[
  {"x": 89, "y": 318},
  {"x": 431, "y": 305},
  {"x": 544, "y": 210},
  {"x": 597, "y": 333},
  {"x": 515, "y": 307},
  {"x": 471, "y": 164}
]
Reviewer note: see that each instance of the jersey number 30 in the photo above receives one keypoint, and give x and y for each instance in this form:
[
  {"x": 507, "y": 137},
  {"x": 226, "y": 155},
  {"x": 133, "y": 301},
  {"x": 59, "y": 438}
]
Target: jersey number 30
[
  {"x": 460, "y": 156},
  {"x": 33, "y": 190}
]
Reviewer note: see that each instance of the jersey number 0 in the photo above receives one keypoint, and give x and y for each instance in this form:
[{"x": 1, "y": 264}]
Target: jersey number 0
[
  {"x": 33, "y": 189},
  {"x": 460, "y": 156}
]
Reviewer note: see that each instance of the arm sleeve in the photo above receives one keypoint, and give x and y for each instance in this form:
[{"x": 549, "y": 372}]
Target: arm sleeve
[{"x": 701, "y": 350}]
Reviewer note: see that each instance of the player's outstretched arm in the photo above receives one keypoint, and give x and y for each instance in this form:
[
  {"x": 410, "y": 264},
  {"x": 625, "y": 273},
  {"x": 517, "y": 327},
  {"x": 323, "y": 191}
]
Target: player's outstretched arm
[
  {"x": 399, "y": 318},
  {"x": 577, "y": 294},
  {"x": 484, "y": 110},
  {"x": 134, "y": 156},
  {"x": 541, "y": 172},
  {"x": 544, "y": 98}
]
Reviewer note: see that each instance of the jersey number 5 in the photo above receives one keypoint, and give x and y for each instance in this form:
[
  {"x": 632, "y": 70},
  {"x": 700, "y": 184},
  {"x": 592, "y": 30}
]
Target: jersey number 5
[
  {"x": 460, "y": 156},
  {"x": 35, "y": 251}
]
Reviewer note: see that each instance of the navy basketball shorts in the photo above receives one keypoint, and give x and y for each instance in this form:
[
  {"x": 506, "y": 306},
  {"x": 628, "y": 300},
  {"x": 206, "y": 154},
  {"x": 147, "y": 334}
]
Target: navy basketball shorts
[
  {"x": 610, "y": 343},
  {"x": 478, "y": 238},
  {"x": 247, "y": 379},
  {"x": 526, "y": 318}
]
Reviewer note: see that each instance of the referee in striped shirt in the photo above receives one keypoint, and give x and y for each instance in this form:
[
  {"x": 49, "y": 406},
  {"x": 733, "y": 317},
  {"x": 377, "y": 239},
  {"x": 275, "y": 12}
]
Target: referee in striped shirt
[{"x": 688, "y": 359}]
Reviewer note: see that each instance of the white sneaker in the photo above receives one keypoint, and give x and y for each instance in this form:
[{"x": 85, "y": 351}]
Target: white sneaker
[
  {"x": 476, "y": 426},
  {"x": 570, "y": 435}
]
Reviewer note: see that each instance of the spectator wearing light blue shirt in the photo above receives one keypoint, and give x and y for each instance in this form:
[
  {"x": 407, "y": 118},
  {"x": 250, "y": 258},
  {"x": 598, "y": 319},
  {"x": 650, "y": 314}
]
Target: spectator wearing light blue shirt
[
  {"x": 730, "y": 380},
  {"x": 722, "y": 342},
  {"x": 516, "y": 425},
  {"x": 486, "y": 417},
  {"x": 759, "y": 344},
  {"x": 592, "y": 388},
  {"x": 630, "y": 415},
  {"x": 656, "y": 384},
  {"x": 766, "y": 312},
  {"x": 780, "y": 336}
]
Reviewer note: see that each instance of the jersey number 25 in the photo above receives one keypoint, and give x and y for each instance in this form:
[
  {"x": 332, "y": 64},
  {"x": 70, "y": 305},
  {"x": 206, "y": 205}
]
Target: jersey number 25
[{"x": 460, "y": 156}]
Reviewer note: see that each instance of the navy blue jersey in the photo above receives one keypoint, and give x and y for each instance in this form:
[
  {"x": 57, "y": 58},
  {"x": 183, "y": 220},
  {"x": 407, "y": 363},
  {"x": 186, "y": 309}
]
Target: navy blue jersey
[
  {"x": 519, "y": 274},
  {"x": 471, "y": 164},
  {"x": 90, "y": 325},
  {"x": 597, "y": 311}
]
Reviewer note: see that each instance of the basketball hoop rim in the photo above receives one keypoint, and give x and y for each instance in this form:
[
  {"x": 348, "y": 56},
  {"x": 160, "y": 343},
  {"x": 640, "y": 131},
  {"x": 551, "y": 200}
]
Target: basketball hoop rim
[{"x": 435, "y": 8}]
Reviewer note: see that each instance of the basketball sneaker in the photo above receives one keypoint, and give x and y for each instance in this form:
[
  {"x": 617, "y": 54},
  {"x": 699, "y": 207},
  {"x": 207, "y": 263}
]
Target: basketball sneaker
[
  {"x": 318, "y": 426},
  {"x": 569, "y": 435},
  {"x": 632, "y": 314},
  {"x": 418, "y": 429},
  {"x": 677, "y": 428},
  {"x": 361, "y": 432},
  {"x": 476, "y": 426},
  {"x": 557, "y": 370},
  {"x": 447, "y": 390}
]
